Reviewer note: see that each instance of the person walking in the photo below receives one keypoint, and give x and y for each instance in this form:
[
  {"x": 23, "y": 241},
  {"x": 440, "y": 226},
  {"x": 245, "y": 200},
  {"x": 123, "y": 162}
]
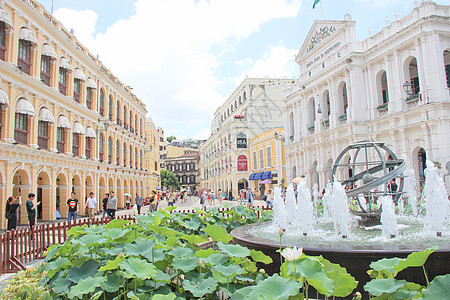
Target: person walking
[
  {"x": 204, "y": 200},
  {"x": 105, "y": 203},
  {"x": 269, "y": 198},
  {"x": 153, "y": 201},
  {"x": 91, "y": 204},
  {"x": 31, "y": 210},
  {"x": 170, "y": 199},
  {"x": 250, "y": 198},
  {"x": 213, "y": 198},
  {"x": 11, "y": 212},
  {"x": 111, "y": 206},
  {"x": 220, "y": 196},
  {"x": 138, "y": 201},
  {"x": 72, "y": 203}
]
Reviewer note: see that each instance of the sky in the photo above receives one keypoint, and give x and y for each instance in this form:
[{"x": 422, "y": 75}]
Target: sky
[{"x": 184, "y": 58}]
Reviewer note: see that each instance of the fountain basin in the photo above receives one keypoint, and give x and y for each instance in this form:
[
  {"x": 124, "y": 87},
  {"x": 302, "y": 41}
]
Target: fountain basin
[{"x": 355, "y": 258}]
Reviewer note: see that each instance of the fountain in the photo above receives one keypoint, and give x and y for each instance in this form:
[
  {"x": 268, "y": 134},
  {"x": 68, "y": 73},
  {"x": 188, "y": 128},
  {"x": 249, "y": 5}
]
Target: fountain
[{"x": 341, "y": 236}]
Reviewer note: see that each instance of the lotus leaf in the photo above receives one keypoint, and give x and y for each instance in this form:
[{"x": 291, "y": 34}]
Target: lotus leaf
[
  {"x": 85, "y": 286},
  {"x": 137, "y": 268},
  {"x": 75, "y": 231},
  {"x": 344, "y": 282},
  {"x": 112, "y": 264},
  {"x": 182, "y": 252},
  {"x": 170, "y": 296},
  {"x": 376, "y": 287},
  {"x": 415, "y": 259},
  {"x": 275, "y": 287},
  {"x": 185, "y": 264},
  {"x": 205, "y": 253},
  {"x": 195, "y": 239},
  {"x": 258, "y": 256},
  {"x": 172, "y": 241},
  {"x": 61, "y": 284},
  {"x": 234, "y": 250},
  {"x": 54, "y": 266},
  {"x": 215, "y": 259},
  {"x": 217, "y": 233},
  {"x": 227, "y": 271},
  {"x": 439, "y": 288},
  {"x": 311, "y": 268},
  {"x": 201, "y": 287},
  {"x": 90, "y": 240},
  {"x": 117, "y": 223},
  {"x": 140, "y": 247},
  {"x": 95, "y": 229},
  {"x": 88, "y": 269},
  {"x": 386, "y": 264},
  {"x": 113, "y": 282},
  {"x": 115, "y": 233}
]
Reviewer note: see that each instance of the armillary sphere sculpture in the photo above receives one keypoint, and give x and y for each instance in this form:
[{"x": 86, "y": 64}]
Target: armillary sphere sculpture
[{"x": 365, "y": 169}]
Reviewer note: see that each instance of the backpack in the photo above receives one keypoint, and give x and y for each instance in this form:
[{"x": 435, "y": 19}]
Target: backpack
[{"x": 202, "y": 200}]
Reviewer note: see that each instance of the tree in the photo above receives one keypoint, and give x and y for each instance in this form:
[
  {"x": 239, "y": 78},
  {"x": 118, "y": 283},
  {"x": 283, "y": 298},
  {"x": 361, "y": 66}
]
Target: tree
[
  {"x": 168, "y": 178},
  {"x": 170, "y": 138}
]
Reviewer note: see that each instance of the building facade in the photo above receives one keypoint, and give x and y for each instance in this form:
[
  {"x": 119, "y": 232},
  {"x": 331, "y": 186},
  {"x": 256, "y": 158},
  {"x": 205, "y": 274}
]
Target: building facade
[
  {"x": 254, "y": 108},
  {"x": 186, "y": 169},
  {"x": 162, "y": 144},
  {"x": 152, "y": 157},
  {"x": 392, "y": 87},
  {"x": 66, "y": 122},
  {"x": 266, "y": 160}
]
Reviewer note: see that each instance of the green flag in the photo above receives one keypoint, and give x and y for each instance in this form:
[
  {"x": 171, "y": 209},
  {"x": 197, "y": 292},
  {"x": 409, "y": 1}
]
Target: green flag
[{"x": 315, "y": 3}]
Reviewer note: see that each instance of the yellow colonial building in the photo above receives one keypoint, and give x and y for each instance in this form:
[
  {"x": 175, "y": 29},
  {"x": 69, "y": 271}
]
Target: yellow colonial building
[
  {"x": 152, "y": 157},
  {"x": 267, "y": 161},
  {"x": 66, "y": 122}
]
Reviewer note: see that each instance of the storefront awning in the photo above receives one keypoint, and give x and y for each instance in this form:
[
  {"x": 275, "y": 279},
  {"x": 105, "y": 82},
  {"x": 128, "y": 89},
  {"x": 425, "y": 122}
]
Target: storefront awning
[
  {"x": 252, "y": 176},
  {"x": 258, "y": 176},
  {"x": 91, "y": 83},
  {"x": 4, "y": 100},
  {"x": 78, "y": 74},
  {"x": 266, "y": 175},
  {"x": 23, "y": 106},
  {"x": 65, "y": 64},
  {"x": 46, "y": 115}
]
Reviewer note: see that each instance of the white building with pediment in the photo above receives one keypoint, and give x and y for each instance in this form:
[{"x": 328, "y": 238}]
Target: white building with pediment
[{"x": 350, "y": 90}]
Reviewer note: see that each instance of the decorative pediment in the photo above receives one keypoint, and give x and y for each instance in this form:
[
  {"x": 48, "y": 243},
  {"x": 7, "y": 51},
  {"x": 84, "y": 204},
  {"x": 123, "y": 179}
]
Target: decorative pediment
[{"x": 320, "y": 32}]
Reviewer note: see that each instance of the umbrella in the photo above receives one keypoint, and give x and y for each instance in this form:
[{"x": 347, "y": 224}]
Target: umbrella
[
  {"x": 159, "y": 188},
  {"x": 183, "y": 190},
  {"x": 127, "y": 194},
  {"x": 266, "y": 181},
  {"x": 298, "y": 179}
]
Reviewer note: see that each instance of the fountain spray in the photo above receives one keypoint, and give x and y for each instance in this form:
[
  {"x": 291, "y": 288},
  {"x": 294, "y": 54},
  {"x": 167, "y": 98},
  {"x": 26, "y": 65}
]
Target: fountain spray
[
  {"x": 304, "y": 207},
  {"x": 388, "y": 218},
  {"x": 340, "y": 211}
]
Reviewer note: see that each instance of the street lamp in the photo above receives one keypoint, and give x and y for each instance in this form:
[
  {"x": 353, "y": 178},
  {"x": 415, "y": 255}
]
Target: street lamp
[
  {"x": 319, "y": 110},
  {"x": 106, "y": 125},
  {"x": 408, "y": 87}
]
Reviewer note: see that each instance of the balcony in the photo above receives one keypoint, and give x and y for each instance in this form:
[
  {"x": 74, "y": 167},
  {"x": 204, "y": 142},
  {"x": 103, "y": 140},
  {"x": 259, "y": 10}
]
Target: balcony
[
  {"x": 382, "y": 107},
  {"x": 413, "y": 100},
  {"x": 312, "y": 128},
  {"x": 326, "y": 123}
]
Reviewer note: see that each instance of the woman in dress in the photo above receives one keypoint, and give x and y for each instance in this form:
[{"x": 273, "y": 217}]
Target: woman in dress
[
  {"x": 11, "y": 206},
  {"x": 220, "y": 196}
]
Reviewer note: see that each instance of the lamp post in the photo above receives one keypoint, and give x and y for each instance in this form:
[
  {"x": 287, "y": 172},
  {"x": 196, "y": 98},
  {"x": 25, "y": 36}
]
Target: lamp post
[{"x": 408, "y": 87}]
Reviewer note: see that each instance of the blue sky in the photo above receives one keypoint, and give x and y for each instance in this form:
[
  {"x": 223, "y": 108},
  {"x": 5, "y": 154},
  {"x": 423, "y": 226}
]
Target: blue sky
[{"x": 183, "y": 58}]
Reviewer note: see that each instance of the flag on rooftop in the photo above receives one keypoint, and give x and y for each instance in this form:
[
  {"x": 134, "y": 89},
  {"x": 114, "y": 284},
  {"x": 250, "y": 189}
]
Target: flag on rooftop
[{"x": 315, "y": 3}]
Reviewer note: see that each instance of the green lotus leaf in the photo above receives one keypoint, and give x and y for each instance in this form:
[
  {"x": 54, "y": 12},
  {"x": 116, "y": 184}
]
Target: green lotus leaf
[
  {"x": 439, "y": 288},
  {"x": 219, "y": 234},
  {"x": 161, "y": 276},
  {"x": 167, "y": 232},
  {"x": 240, "y": 210},
  {"x": 95, "y": 229},
  {"x": 192, "y": 224},
  {"x": 227, "y": 271},
  {"x": 201, "y": 287},
  {"x": 61, "y": 285},
  {"x": 242, "y": 294},
  {"x": 170, "y": 296},
  {"x": 172, "y": 241},
  {"x": 194, "y": 239},
  {"x": 205, "y": 253},
  {"x": 344, "y": 282},
  {"x": 56, "y": 265},
  {"x": 117, "y": 223},
  {"x": 137, "y": 268},
  {"x": 185, "y": 264},
  {"x": 113, "y": 282},
  {"x": 85, "y": 286},
  {"x": 96, "y": 295},
  {"x": 182, "y": 252},
  {"x": 113, "y": 251},
  {"x": 75, "y": 231},
  {"x": 415, "y": 259},
  {"x": 140, "y": 247},
  {"x": 87, "y": 269},
  {"x": 90, "y": 240},
  {"x": 234, "y": 250},
  {"x": 115, "y": 233},
  {"x": 146, "y": 219},
  {"x": 112, "y": 264},
  {"x": 258, "y": 256},
  {"x": 222, "y": 279},
  {"x": 376, "y": 287},
  {"x": 311, "y": 268},
  {"x": 250, "y": 266},
  {"x": 386, "y": 264},
  {"x": 275, "y": 287},
  {"x": 243, "y": 278},
  {"x": 158, "y": 255},
  {"x": 215, "y": 259}
]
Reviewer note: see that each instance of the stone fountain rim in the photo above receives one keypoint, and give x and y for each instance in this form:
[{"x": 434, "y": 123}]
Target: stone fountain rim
[{"x": 242, "y": 237}]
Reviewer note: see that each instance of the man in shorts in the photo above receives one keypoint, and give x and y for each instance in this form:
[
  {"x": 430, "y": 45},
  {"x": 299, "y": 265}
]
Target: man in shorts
[{"x": 111, "y": 206}]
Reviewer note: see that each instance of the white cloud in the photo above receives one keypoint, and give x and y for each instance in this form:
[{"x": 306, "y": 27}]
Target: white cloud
[
  {"x": 164, "y": 50},
  {"x": 277, "y": 62},
  {"x": 379, "y": 3}
]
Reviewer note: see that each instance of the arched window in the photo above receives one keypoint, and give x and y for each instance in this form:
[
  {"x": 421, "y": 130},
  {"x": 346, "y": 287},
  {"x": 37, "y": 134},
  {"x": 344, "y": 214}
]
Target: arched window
[
  {"x": 447, "y": 66},
  {"x": 110, "y": 108},
  {"x": 88, "y": 147},
  {"x": 45, "y": 117},
  {"x": 343, "y": 101},
  {"x": 124, "y": 154},
  {"x": 291, "y": 125},
  {"x": 117, "y": 113},
  {"x": 125, "y": 125},
  {"x": 48, "y": 55},
  {"x": 136, "y": 159},
  {"x": 101, "y": 103},
  {"x": 2, "y": 41},
  {"x": 383, "y": 95},
  {"x": 100, "y": 147},
  {"x": 326, "y": 108},
  {"x": 110, "y": 150},
  {"x": 312, "y": 111},
  {"x": 91, "y": 85},
  {"x": 414, "y": 75},
  {"x": 131, "y": 157},
  {"x": 26, "y": 42},
  {"x": 117, "y": 152}
]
